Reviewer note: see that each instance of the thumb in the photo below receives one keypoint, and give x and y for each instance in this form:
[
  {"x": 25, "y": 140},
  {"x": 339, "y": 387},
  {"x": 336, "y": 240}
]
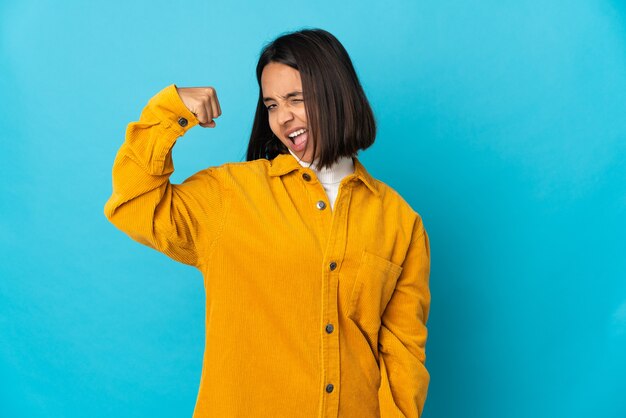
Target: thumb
[{"x": 208, "y": 125}]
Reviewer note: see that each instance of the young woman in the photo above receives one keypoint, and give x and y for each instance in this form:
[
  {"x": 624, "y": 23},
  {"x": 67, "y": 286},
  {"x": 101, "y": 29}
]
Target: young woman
[{"x": 316, "y": 274}]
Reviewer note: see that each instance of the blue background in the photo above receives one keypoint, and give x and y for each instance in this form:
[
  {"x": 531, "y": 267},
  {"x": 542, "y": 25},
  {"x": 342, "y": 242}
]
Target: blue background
[{"x": 502, "y": 123}]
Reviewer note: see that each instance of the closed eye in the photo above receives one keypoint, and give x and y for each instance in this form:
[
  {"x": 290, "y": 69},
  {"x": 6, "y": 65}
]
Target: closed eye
[{"x": 270, "y": 107}]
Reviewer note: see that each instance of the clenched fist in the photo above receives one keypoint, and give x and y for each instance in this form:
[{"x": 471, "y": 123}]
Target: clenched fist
[{"x": 202, "y": 102}]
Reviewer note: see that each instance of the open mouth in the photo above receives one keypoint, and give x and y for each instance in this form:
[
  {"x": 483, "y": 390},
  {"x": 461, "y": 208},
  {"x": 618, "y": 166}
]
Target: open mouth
[
  {"x": 298, "y": 136},
  {"x": 299, "y": 139}
]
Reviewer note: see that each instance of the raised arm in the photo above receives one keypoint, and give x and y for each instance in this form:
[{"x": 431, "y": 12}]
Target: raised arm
[
  {"x": 402, "y": 336},
  {"x": 180, "y": 220}
]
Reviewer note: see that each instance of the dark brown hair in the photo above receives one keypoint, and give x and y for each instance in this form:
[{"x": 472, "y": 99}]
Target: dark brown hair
[{"x": 338, "y": 113}]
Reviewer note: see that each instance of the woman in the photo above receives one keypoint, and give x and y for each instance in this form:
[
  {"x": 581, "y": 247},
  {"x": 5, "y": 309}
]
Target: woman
[{"x": 316, "y": 274}]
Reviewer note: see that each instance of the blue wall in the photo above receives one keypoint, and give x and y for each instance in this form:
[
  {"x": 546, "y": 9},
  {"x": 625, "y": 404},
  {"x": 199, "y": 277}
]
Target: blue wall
[{"x": 505, "y": 124}]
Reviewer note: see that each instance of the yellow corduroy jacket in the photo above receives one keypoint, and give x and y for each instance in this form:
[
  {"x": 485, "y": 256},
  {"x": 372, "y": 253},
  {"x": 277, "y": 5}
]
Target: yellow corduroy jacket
[{"x": 311, "y": 311}]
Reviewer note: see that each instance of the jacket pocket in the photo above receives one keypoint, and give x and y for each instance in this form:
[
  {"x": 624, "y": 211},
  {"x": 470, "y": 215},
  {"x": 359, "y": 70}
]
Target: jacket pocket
[{"x": 373, "y": 286}]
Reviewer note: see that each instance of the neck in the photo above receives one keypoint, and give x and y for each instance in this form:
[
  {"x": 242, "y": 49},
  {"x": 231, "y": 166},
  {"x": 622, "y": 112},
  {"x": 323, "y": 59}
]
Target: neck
[{"x": 339, "y": 169}]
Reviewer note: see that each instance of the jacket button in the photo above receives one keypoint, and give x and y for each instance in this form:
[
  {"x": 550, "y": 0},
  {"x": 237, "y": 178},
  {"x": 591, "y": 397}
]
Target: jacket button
[
  {"x": 321, "y": 205},
  {"x": 306, "y": 176},
  {"x": 182, "y": 122},
  {"x": 329, "y": 328},
  {"x": 332, "y": 265},
  {"x": 329, "y": 387}
]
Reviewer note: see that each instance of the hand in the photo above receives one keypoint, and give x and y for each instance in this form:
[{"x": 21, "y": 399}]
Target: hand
[{"x": 202, "y": 102}]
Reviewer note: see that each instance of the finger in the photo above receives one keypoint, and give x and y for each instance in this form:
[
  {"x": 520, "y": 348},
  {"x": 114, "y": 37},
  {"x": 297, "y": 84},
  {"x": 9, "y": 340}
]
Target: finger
[
  {"x": 213, "y": 106},
  {"x": 208, "y": 125},
  {"x": 217, "y": 103},
  {"x": 209, "y": 111},
  {"x": 208, "y": 121},
  {"x": 201, "y": 114}
]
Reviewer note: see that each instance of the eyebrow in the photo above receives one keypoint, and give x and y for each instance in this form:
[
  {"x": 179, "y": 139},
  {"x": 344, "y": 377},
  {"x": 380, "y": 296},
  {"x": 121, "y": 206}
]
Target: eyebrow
[{"x": 288, "y": 95}]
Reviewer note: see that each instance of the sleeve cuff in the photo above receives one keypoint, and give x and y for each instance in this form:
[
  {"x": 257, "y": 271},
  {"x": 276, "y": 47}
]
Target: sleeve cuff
[{"x": 169, "y": 108}]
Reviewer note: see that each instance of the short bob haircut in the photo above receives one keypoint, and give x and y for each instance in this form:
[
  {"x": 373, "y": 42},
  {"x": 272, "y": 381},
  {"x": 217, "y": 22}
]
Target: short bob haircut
[{"x": 338, "y": 113}]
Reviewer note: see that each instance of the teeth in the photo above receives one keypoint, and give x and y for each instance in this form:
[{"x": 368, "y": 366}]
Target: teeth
[{"x": 296, "y": 133}]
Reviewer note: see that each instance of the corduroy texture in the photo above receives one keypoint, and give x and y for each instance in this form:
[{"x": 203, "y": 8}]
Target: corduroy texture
[{"x": 279, "y": 272}]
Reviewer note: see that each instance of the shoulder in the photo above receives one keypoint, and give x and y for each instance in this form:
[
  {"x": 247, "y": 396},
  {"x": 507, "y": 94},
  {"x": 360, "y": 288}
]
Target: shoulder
[
  {"x": 397, "y": 206},
  {"x": 391, "y": 197},
  {"x": 394, "y": 205},
  {"x": 246, "y": 167},
  {"x": 238, "y": 172}
]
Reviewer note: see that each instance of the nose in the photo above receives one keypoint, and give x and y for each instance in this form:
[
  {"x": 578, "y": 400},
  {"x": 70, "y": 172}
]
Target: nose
[{"x": 284, "y": 114}]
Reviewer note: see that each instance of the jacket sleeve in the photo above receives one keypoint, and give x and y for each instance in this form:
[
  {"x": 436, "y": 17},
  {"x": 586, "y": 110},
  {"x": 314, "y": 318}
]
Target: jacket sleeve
[
  {"x": 403, "y": 332},
  {"x": 179, "y": 220}
]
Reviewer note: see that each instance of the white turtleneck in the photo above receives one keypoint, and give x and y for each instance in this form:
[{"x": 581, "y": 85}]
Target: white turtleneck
[{"x": 330, "y": 177}]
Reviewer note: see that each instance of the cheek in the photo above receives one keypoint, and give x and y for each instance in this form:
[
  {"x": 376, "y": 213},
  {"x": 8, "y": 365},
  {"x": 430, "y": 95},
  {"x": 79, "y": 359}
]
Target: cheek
[
  {"x": 273, "y": 124},
  {"x": 302, "y": 114},
  {"x": 275, "y": 127}
]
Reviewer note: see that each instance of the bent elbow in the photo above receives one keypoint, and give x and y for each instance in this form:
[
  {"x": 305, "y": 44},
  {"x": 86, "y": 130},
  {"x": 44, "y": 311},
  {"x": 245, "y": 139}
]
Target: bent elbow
[{"x": 109, "y": 210}]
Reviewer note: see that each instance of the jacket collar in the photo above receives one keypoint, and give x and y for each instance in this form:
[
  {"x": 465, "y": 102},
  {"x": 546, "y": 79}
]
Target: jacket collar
[{"x": 286, "y": 163}]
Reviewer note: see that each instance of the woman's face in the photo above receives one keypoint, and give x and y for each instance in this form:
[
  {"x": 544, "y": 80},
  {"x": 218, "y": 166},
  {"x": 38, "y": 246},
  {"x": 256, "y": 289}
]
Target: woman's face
[{"x": 282, "y": 95}]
